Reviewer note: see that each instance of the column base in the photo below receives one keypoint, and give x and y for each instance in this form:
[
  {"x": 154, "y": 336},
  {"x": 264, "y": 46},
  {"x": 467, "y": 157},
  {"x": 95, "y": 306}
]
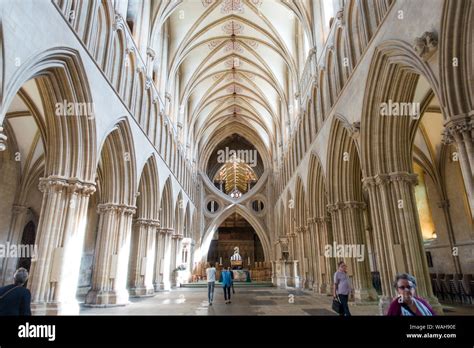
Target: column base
[
  {"x": 322, "y": 289},
  {"x": 97, "y": 298},
  {"x": 165, "y": 285},
  {"x": 55, "y": 308},
  {"x": 294, "y": 282},
  {"x": 434, "y": 303},
  {"x": 365, "y": 296},
  {"x": 142, "y": 291},
  {"x": 280, "y": 282},
  {"x": 384, "y": 304}
]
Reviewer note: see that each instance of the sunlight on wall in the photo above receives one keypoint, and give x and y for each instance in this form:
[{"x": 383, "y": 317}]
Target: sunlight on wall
[{"x": 424, "y": 211}]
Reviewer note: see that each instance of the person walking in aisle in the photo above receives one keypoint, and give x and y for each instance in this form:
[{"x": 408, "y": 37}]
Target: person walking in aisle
[
  {"x": 226, "y": 285},
  {"x": 342, "y": 288},
  {"x": 211, "y": 283}
]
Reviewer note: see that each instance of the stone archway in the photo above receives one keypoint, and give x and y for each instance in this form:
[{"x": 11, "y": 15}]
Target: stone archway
[
  {"x": 69, "y": 139},
  {"x": 259, "y": 230}
]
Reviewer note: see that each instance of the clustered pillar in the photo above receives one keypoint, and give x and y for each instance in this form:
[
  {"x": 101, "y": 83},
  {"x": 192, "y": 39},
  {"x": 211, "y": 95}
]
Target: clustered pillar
[
  {"x": 397, "y": 233},
  {"x": 163, "y": 259},
  {"x": 460, "y": 130},
  {"x": 55, "y": 273},
  {"x": 143, "y": 257},
  {"x": 348, "y": 230},
  {"x": 109, "y": 278}
]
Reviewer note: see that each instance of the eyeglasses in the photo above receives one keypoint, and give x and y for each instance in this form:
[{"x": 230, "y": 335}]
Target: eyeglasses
[{"x": 405, "y": 287}]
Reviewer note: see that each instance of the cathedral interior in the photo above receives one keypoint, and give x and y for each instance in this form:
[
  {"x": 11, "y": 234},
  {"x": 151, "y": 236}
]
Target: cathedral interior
[{"x": 143, "y": 140}]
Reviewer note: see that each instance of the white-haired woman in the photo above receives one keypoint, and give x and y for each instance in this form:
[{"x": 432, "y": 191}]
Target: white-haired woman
[{"x": 406, "y": 303}]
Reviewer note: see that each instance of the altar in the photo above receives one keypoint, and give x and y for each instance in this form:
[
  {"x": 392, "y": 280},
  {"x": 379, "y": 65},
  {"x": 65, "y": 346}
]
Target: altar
[{"x": 241, "y": 275}]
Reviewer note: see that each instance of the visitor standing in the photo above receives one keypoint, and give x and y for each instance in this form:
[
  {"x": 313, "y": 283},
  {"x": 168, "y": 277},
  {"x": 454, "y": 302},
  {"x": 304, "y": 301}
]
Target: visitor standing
[
  {"x": 211, "y": 283},
  {"x": 232, "y": 279},
  {"x": 15, "y": 299},
  {"x": 226, "y": 285},
  {"x": 342, "y": 288}
]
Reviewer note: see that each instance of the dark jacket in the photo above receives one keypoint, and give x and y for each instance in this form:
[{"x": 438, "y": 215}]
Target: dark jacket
[{"x": 16, "y": 302}]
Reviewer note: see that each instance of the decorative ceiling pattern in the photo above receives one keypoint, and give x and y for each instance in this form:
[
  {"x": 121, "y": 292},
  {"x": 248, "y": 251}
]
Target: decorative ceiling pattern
[{"x": 228, "y": 53}]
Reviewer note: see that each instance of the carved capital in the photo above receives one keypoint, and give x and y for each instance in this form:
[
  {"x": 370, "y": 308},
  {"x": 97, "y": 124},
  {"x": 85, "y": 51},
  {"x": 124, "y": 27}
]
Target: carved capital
[
  {"x": 355, "y": 130},
  {"x": 426, "y": 45},
  {"x": 404, "y": 177},
  {"x": 376, "y": 180},
  {"x": 118, "y": 208},
  {"x": 166, "y": 230},
  {"x": 456, "y": 126},
  {"x": 19, "y": 209},
  {"x": 178, "y": 236},
  {"x": 71, "y": 185},
  {"x": 148, "y": 83},
  {"x": 447, "y": 138},
  {"x": 150, "y": 52},
  {"x": 118, "y": 22},
  {"x": 3, "y": 140},
  {"x": 147, "y": 222}
]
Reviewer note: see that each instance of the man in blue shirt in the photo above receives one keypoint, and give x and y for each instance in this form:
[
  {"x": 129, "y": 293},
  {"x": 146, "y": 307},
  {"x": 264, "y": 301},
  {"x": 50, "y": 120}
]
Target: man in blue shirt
[{"x": 226, "y": 284}]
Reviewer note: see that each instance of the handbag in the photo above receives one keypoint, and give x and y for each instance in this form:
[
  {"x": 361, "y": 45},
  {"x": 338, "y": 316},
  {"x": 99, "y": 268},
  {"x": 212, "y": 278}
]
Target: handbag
[{"x": 337, "y": 305}]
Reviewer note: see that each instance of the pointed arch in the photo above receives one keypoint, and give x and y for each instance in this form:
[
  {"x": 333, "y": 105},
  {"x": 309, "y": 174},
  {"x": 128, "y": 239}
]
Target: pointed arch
[
  {"x": 117, "y": 166},
  {"x": 71, "y": 144}
]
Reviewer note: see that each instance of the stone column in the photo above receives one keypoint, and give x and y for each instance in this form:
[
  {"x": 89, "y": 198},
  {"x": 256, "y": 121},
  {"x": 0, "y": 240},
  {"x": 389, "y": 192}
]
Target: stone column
[
  {"x": 18, "y": 221},
  {"x": 460, "y": 130},
  {"x": 314, "y": 247},
  {"x": 299, "y": 235},
  {"x": 143, "y": 257},
  {"x": 290, "y": 245},
  {"x": 308, "y": 247},
  {"x": 54, "y": 275},
  {"x": 451, "y": 237},
  {"x": 160, "y": 251},
  {"x": 166, "y": 261},
  {"x": 397, "y": 234},
  {"x": 175, "y": 256},
  {"x": 349, "y": 234},
  {"x": 112, "y": 254},
  {"x": 327, "y": 265}
]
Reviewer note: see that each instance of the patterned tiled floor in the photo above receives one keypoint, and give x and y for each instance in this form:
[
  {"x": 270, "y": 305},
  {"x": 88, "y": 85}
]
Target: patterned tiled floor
[{"x": 261, "y": 301}]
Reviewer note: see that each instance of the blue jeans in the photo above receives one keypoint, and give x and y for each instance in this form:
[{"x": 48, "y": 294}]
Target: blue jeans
[
  {"x": 345, "y": 305},
  {"x": 210, "y": 291}
]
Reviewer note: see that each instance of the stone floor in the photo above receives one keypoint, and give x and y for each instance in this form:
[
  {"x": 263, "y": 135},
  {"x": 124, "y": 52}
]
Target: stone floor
[{"x": 246, "y": 301}]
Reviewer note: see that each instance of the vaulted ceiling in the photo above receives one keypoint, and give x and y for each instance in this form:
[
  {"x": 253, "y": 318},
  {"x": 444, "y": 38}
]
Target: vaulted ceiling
[{"x": 234, "y": 61}]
